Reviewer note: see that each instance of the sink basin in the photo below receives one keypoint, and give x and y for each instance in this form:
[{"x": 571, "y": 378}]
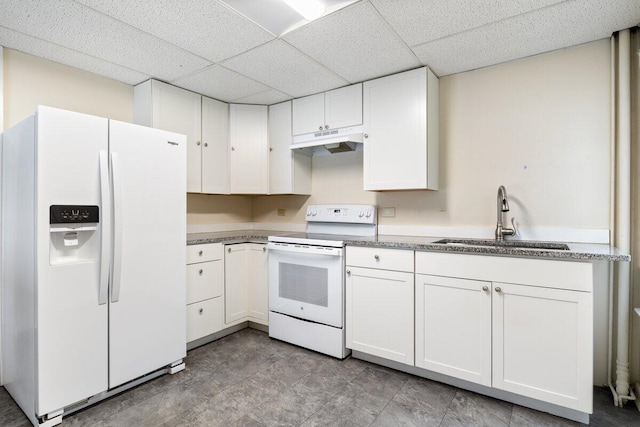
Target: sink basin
[{"x": 516, "y": 244}]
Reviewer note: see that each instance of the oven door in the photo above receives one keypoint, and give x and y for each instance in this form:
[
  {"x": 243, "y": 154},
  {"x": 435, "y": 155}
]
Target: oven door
[{"x": 307, "y": 282}]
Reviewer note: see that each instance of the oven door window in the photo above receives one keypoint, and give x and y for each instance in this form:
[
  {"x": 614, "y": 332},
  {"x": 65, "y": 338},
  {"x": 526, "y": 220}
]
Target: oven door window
[
  {"x": 307, "y": 286},
  {"x": 304, "y": 283}
]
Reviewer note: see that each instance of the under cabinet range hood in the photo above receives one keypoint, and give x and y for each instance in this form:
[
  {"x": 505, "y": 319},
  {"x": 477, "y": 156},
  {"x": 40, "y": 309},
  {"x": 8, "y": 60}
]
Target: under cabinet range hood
[{"x": 333, "y": 140}]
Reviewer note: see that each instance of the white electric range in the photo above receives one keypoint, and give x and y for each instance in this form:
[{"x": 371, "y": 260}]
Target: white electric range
[{"x": 306, "y": 277}]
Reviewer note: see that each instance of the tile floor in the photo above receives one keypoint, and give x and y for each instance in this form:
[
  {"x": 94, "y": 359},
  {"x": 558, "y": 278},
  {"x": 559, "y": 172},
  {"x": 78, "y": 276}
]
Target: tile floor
[{"x": 248, "y": 379}]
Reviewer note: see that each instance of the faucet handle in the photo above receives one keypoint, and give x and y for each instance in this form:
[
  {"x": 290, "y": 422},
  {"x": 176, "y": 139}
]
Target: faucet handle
[{"x": 513, "y": 225}]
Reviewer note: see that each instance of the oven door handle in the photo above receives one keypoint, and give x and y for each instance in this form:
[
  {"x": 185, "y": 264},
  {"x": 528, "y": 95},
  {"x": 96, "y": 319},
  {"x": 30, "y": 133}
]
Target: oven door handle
[{"x": 301, "y": 249}]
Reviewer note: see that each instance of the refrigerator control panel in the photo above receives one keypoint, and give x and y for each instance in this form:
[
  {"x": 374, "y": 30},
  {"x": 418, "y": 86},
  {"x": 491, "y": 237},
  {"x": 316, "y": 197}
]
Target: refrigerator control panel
[{"x": 73, "y": 214}]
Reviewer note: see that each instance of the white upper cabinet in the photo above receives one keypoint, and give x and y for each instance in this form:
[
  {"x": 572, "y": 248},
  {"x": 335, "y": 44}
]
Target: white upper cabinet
[
  {"x": 248, "y": 158},
  {"x": 205, "y": 123},
  {"x": 215, "y": 146},
  {"x": 289, "y": 171},
  {"x": 335, "y": 109},
  {"x": 401, "y": 131}
]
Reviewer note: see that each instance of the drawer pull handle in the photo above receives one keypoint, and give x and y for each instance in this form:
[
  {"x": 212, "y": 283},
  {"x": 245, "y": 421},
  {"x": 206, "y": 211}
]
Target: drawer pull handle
[
  {"x": 498, "y": 289},
  {"x": 200, "y": 253},
  {"x": 485, "y": 288},
  {"x": 376, "y": 257},
  {"x": 201, "y": 310},
  {"x": 200, "y": 272}
]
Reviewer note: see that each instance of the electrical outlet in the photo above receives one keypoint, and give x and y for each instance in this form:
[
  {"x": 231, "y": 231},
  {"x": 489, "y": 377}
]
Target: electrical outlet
[
  {"x": 388, "y": 212},
  {"x": 282, "y": 212}
]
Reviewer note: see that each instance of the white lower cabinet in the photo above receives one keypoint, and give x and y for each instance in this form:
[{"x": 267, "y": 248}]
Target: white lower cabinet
[
  {"x": 453, "y": 327},
  {"x": 379, "y": 303},
  {"x": 205, "y": 283},
  {"x": 246, "y": 283},
  {"x": 520, "y": 325}
]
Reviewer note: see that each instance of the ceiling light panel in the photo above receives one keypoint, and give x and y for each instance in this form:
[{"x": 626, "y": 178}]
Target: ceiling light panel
[
  {"x": 281, "y": 67},
  {"x": 207, "y": 28},
  {"x": 356, "y": 43},
  {"x": 84, "y": 30}
]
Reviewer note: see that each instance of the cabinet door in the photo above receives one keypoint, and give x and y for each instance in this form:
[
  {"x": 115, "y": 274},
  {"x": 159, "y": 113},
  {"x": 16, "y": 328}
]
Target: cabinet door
[
  {"x": 215, "y": 146},
  {"x": 178, "y": 110},
  {"x": 289, "y": 171},
  {"x": 543, "y": 344},
  {"x": 258, "y": 271},
  {"x": 308, "y": 114},
  {"x": 204, "y": 318},
  {"x": 235, "y": 283},
  {"x": 204, "y": 280},
  {"x": 343, "y": 107},
  {"x": 248, "y": 160},
  {"x": 397, "y": 151},
  {"x": 379, "y": 313},
  {"x": 453, "y": 327}
]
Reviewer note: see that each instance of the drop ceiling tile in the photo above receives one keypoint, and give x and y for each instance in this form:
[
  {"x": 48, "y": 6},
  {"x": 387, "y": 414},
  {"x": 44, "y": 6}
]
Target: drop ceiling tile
[
  {"x": 420, "y": 21},
  {"x": 268, "y": 97},
  {"x": 281, "y": 67},
  {"x": 70, "y": 24},
  {"x": 206, "y": 28},
  {"x": 220, "y": 83},
  {"x": 44, "y": 49},
  {"x": 566, "y": 24},
  {"x": 356, "y": 43}
]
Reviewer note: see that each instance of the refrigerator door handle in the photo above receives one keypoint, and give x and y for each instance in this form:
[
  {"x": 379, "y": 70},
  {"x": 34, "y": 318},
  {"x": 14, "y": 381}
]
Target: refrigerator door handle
[
  {"x": 105, "y": 197},
  {"x": 116, "y": 265}
]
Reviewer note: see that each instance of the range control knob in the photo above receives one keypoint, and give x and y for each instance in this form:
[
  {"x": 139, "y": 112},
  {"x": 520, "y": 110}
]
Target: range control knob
[
  {"x": 361, "y": 214},
  {"x": 369, "y": 214},
  {"x": 314, "y": 213},
  {"x": 308, "y": 213}
]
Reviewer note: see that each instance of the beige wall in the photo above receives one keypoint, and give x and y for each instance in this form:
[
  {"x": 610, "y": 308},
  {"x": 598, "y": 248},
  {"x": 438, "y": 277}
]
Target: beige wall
[
  {"x": 210, "y": 209},
  {"x": 30, "y": 81},
  {"x": 539, "y": 125}
]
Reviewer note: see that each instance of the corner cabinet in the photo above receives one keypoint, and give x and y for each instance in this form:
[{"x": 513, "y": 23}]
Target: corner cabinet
[
  {"x": 246, "y": 283},
  {"x": 379, "y": 303},
  {"x": 289, "y": 171},
  {"x": 401, "y": 131},
  {"x": 248, "y": 156},
  {"x": 515, "y": 324},
  {"x": 203, "y": 120},
  {"x": 334, "y": 109}
]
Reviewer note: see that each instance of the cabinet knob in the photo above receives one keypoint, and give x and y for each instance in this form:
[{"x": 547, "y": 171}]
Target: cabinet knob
[
  {"x": 349, "y": 272},
  {"x": 206, "y": 144},
  {"x": 229, "y": 250},
  {"x": 233, "y": 148},
  {"x": 270, "y": 149},
  {"x": 200, "y": 272},
  {"x": 498, "y": 289},
  {"x": 326, "y": 126},
  {"x": 264, "y": 249},
  {"x": 201, "y": 310},
  {"x": 198, "y": 143},
  {"x": 485, "y": 288},
  {"x": 366, "y": 135},
  {"x": 200, "y": 253},
  {"x": 376, "y": 257},
  {"x": 320, "y": 128}
]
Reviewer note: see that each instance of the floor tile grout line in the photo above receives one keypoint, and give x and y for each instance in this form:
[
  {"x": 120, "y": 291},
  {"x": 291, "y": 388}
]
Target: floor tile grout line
[
  {"x": 390, "y": 400},
  {"x": 449, "y": 407}
]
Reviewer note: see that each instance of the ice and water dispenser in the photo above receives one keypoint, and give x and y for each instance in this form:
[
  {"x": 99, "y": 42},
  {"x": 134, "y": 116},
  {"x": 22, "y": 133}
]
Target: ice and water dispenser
[{"x": 73, "y": 234}]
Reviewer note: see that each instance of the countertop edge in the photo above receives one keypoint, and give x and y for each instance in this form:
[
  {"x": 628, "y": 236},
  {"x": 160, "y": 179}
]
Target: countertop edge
[{"x": 603, "y": 252}]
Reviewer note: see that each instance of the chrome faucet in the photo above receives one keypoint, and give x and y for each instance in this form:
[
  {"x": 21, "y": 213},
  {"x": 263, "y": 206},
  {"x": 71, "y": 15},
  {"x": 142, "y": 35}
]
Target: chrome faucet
[{"x": 503, "y": 206}]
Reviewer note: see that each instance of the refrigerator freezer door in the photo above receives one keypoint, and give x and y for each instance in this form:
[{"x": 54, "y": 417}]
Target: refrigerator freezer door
[
  {"x": 71, "y": 347},
  {"x": 147, "y": 323}
]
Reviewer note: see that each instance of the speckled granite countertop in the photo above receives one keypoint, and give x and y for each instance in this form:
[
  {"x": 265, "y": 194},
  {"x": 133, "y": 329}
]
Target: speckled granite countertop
[{"x": 577, "y": 251}]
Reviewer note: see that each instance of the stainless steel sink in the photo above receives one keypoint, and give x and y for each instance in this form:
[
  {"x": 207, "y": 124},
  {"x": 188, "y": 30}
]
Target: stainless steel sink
[{"x": 516, "y": 244}]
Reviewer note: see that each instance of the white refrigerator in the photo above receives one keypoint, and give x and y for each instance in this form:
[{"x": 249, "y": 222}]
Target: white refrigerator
[{"x": 94, "y": 259}]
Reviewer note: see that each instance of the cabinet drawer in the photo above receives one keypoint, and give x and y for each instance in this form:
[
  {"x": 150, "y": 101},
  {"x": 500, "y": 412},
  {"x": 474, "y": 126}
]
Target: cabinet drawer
[
  {"x": 383, "y": 259},
  {"x": 204, "y": 318},
  {"x": 204, "y": 280},
  {"x": 202, "y": 253}
]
